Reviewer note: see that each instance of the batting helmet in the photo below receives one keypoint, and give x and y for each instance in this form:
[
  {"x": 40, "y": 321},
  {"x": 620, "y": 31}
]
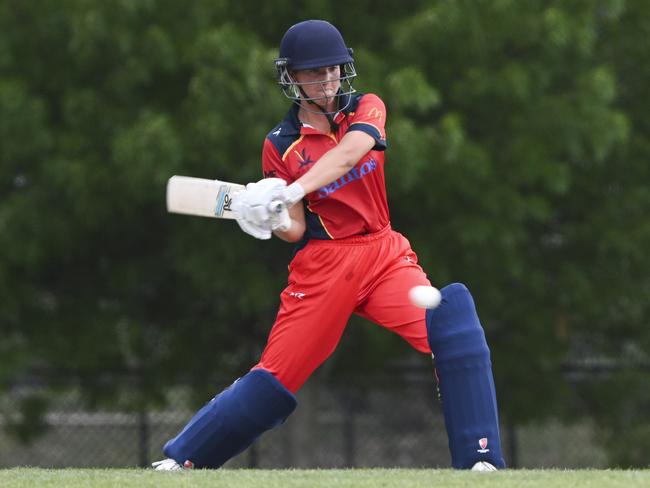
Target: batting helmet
[{"x": 313, "y": 44}]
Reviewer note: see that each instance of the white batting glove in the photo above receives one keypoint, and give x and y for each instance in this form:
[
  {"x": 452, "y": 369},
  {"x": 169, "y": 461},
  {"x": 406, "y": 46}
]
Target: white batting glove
[
  {"x": 259, "y": 199},
  {"x": 257, "y": 231},
  {"x": 280, "y": 220},
  {"x": 291, "y": 194},
  {"x": 258, "y": 212}
]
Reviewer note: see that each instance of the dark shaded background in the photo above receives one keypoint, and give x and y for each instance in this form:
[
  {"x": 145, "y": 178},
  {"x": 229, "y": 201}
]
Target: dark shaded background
[{"x": 518, "y": 164}]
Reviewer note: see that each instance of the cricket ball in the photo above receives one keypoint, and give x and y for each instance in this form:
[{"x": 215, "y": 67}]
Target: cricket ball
[{"x": 424, "y": 296}]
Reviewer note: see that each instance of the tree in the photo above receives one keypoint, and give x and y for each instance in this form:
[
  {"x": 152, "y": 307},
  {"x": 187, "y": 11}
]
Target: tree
[
  {"x": 536, "y": 179},
  {"x": 516, "y": 164}
]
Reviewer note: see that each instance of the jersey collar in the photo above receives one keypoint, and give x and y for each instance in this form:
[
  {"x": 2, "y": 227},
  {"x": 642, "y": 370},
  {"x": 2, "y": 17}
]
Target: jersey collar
[{"x": 291, "y": 125}]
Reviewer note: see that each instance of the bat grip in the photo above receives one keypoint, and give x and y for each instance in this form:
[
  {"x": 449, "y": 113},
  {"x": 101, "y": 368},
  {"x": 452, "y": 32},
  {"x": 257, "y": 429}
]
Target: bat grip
[{"x": 277, "y": 206}]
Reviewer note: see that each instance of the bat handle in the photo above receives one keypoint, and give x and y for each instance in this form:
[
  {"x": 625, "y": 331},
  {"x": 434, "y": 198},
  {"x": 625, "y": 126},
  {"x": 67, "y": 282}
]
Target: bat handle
[{"x": 277, "y": 206}]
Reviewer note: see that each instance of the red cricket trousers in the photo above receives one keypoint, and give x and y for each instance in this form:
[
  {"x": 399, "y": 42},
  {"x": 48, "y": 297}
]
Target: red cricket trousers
[{"x": 330, "y": 280}]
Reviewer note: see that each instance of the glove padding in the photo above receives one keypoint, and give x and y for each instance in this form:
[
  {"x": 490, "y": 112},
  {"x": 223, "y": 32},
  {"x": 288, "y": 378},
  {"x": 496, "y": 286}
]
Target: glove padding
[
  {"x": 290, "y": 195},
  {"x": 258, "y": 210}
]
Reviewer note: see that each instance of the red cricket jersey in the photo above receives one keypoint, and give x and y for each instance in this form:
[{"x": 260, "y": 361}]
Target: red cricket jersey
[{"x": 355, "y": 204}]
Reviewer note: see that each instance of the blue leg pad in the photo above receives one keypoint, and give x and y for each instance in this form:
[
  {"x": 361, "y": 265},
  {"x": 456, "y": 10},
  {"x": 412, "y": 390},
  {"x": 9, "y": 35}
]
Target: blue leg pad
[
  {"x": 232, "y": 420},
  {"x": 465, "y": 377}
]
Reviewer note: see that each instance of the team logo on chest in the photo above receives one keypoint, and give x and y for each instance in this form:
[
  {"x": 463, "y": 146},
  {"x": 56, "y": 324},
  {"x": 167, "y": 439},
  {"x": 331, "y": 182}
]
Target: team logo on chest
[{"x": 304, "y": 159}]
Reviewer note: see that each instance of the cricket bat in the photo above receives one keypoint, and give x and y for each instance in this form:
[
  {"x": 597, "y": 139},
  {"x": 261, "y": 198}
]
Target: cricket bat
[
  {"x": 206, "y": 198},
  {"x": 202, "y": 197}
]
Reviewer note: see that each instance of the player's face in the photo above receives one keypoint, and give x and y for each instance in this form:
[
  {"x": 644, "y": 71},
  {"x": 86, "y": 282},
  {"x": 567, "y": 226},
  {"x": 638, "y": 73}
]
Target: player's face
[{"x": 321, "y": 84}]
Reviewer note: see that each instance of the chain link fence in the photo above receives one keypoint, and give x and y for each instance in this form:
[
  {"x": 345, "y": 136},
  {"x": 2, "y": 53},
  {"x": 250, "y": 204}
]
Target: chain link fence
[{"x": 381, "y": 423}]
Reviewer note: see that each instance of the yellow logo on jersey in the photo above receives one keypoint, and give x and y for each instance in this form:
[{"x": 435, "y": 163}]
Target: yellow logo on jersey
[{"x": 376, "y": 113}]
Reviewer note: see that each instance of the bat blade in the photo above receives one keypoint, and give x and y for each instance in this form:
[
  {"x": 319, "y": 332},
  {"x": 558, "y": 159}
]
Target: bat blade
[{"x": 199, "y": 196}]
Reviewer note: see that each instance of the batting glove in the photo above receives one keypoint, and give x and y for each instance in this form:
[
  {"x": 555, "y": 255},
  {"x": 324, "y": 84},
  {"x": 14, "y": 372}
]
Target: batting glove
[
  {"x": 280, "y": 219},
  {"x": 258, "y": 212},
  {"x": 291, "y": 194},
  {"x": 257, "y": 231}
]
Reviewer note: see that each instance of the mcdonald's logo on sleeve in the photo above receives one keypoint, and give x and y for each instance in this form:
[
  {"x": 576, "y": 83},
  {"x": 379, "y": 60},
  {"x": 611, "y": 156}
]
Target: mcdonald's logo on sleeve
[{"x": 376, "y": 113}]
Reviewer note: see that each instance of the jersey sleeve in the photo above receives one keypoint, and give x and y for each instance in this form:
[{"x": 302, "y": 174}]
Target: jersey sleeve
[
  {"x": 370, "y": 117},
  {"x": 272, "y": 164}
]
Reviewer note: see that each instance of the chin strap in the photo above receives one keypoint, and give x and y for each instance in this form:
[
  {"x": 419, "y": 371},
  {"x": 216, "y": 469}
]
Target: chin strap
[{"x": 330, "y": 118}]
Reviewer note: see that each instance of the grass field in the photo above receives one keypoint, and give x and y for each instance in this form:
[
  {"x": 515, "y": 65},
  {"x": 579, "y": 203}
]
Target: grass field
[{"x": 330, "y": 478}]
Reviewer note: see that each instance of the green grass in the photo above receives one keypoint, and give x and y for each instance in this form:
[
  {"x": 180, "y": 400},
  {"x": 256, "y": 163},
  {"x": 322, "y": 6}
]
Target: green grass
[{"x": 327, "y": 478}]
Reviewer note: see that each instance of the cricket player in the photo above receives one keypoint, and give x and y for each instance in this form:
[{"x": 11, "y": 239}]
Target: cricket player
[{"x": 325, "y": 161}]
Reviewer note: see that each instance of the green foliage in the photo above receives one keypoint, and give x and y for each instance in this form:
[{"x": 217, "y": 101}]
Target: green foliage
[
  {"x": 518, "y": 137},
  {"x": 27, "y": 422}
]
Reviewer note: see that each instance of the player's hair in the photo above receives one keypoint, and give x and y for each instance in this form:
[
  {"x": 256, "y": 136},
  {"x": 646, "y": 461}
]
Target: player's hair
[{"x": 314, "y": 44}]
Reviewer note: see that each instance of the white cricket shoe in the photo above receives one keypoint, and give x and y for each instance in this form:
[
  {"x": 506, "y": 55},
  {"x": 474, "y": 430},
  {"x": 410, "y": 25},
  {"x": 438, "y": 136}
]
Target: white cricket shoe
[
  {"x": 483, "y": 466},
  {"x": 167, "y": 465}
]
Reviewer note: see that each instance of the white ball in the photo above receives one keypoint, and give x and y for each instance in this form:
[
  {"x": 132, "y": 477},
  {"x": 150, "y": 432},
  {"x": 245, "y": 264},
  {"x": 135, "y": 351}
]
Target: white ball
[{"x": 424, "y": 296}]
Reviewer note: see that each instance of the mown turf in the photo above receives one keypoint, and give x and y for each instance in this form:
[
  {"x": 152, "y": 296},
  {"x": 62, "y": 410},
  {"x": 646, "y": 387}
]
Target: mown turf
[{"x": 327, "y": 478}]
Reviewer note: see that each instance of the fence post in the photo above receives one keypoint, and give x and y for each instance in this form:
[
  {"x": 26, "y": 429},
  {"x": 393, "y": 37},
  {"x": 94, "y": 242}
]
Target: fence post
[
  {"x": 512, "y": 444},
  {"x": 144, "y": 434},
  {"x": 349, "y": 429}
]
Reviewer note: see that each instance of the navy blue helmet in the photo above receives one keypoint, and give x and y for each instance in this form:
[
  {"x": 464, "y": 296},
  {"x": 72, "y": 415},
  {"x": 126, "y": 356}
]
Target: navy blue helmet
[{"x": 314, "y": 44}]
